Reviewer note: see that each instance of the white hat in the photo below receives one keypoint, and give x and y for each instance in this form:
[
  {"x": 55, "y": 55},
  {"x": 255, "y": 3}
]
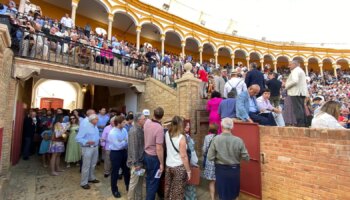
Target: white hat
[{"x": 146, "y": 112}]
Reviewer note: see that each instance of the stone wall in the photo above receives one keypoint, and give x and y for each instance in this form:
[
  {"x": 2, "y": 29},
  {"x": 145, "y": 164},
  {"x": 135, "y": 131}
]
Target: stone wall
[
  {"x": 305, "y": 163},
  {"x": 158, "y": 94}
]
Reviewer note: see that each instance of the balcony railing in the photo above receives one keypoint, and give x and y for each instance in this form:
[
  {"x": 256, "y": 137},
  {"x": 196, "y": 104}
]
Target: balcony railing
[{"x": 79, "y": 54}]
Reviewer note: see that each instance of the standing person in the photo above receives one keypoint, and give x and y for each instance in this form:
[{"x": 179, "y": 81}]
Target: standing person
[
  {"x": 254, "y": 76},
  {"x": 154, "y": 152},
  {"x": 118, "y": 144},
  {"x": 235, "y": 82},
  {"x": 45, "y": 145},
  {"x": 209, "y": 166},
  {"x": 203, "y": 75},
  {"x": 57, "y": 144},
  {"x": 103, "y": 119},
  {"x": 190, "y": 190},
  {"x": 178, "y": 170},
  {"x": 213, "y": 107},
  {"x": 219, "y": 82},
  {"x": 129, "y": 119},
  {"x": 67, "y": 21},
  {"x": 135, "y": 157},
  {"x": 30, "y": 126},
  {"x": 87, "y": 30},
  {"x": 296, "y": 87},
  {"x": 73, "y": 153},
  {"x": 275, "y": 87},
  {"x": 106, "y": 148},
  {"x": 88, "y": 138},
  {"x": 227, "y": 151}
]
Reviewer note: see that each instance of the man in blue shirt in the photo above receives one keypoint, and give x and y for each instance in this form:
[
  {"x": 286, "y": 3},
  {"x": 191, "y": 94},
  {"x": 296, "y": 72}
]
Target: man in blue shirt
[
  {"x": 103, "y": 119},
  {"x": 118, "y": 144},
  {"x": 227, "y": 107},
  {"x": 88, "y": 137},
  {"x": 247, "y": 108}
]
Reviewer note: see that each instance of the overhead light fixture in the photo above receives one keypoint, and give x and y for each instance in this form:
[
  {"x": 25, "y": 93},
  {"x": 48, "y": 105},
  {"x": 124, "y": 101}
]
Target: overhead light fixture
[
  {"x": 263, "y": 38},
  {"x": 166, "y": 7},
  {"x": 84, "y": 89},
  {"x": 234, "y": 32},
  {"x": 203, "y": 22}
]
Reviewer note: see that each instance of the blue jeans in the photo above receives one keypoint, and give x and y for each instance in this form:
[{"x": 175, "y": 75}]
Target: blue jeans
[{"x": 152, "y": 165}]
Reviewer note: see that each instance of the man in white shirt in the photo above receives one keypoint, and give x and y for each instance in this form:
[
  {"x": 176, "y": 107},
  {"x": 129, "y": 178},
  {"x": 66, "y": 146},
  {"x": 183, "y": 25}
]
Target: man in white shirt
[
  {"x": 67, "y": 21},
  {"x": 234, "y": 82},
  {"x": 296, "y": 87}
]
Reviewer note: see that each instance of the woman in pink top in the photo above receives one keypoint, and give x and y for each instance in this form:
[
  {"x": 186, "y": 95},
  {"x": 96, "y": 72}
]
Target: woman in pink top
[
  {"x": 213, "y": 107},
  {"x": 105, "y": 147},
  {"x": 106, "y": 55}
]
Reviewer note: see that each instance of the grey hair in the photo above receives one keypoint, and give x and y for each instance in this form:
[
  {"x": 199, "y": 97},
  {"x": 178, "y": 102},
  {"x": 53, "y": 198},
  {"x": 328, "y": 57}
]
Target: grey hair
[
  {"x": 138, "y": 116},
  {"x": 227, "y": 123},
  {"x": 92, "y": 117},
  {"x": 112, "y": 119},
  {"x": 296, "y": 62}
]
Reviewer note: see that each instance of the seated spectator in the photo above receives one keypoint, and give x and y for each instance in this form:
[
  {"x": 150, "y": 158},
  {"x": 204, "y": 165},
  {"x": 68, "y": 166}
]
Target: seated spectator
[
  {"x": 106, "y": 56},
  {"x": 327, "y": 117},
  {"x": 227, "y": 107},
  {"x": 247, "y": 108},
  {"x": 3, "y": 9},
  {"x": 265, "y": 106}
]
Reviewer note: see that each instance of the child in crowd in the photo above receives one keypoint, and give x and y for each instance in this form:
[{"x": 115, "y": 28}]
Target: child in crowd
[{"x": 44, "y": 146}]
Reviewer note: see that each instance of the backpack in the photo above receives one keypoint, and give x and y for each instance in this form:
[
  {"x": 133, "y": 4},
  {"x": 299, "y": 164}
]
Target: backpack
[{"x": 233, "y": 89}]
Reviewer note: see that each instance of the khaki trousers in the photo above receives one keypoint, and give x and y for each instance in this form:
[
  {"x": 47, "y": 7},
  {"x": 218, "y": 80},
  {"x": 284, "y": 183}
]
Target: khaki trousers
[{"x": 135, "y": 186}]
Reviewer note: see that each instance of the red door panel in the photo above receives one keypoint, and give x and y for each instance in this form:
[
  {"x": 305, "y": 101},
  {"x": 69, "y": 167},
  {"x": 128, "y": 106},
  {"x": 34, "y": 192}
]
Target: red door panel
[
  {"x": 51, "y": 103},
  {"x": 17, "y": 135},
  {"x": 250, "y": 171}
]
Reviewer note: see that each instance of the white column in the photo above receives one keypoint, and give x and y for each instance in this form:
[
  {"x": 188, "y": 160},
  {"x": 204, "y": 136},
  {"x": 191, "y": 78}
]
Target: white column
[
  {"x": 247, "y": 58},
  {"x": 183, "y": 45},
  {"x": 138, "y": 34},
  {"x": 216, "y": 55},
  {"x": 306, "y": 68},
  {"x": 233, "y": 60},
  {"x": 275, "y": 66},
  {"x": 21, "y": 6},
  {"x": 74, "y": 9},
  {"x": 200, "y": 55},
  {"x": 321, "y": 69},
  {"x": 334, "y": 65},
  {"x": 262, "y": 64},
  {"x": 162, "y": 39},
  {"x": 110, "y": 25}
]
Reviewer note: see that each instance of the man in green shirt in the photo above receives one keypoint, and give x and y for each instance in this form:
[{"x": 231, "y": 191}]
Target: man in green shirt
[{"x": 227, "y": 151}]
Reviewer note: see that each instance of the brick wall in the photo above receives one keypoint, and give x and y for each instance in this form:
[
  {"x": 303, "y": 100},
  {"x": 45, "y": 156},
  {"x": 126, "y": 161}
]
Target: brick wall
[
  {"x": 158, "y": 94},
  {"x": 305, "y": 163},
  {"x": 7, "y": 88}
]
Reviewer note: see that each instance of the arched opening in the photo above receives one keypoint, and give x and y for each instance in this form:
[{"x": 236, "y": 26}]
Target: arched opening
[
  {"x": 172, "y": 43},
  {"x": 327, "y": 66},
  {"x": 191, "y": 48},
  {"x": 313, "y": 65},
  {"x": 224, "y": 56},
  {"x": 150, "y": 33},
  {"x": 124, "y": 27},
  {"x": 240, "y": 58},
  {"x": 208, "y": 53},
  {"x": 282, "y": 62},
  {"x": 255, "y": 57},
  {"x": 56, "y": 94},
  {"x": 97, "y": 18},
  {"x": 343, "y": 65},
  {"x": 268, "y": 63}
]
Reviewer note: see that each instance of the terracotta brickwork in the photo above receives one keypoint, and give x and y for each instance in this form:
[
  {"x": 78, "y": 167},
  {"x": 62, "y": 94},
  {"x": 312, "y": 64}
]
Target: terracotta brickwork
[
  {"x": 7, "y": 88},
  {"x": 305, "y": 163}
]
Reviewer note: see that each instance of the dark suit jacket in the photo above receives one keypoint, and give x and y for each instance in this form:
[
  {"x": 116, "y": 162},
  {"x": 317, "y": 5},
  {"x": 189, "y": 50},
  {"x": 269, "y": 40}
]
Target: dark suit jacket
[
  {"x": 255, "y": 76},
  {"x": 29, "y": 128},
  {"x": 275, "y": 86}
]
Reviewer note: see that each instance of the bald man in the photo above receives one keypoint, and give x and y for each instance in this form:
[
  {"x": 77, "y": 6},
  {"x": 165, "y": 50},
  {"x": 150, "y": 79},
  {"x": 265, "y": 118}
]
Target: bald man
[{"x": 247, "y": 108}]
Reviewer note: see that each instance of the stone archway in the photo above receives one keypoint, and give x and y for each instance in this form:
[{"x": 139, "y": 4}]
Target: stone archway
[{"x": 70, "y": 92}]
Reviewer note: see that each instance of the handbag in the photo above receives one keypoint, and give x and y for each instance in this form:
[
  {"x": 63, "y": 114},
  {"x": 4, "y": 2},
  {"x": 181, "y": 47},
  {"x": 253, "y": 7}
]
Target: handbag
[{"x": 195, "y": 171}]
